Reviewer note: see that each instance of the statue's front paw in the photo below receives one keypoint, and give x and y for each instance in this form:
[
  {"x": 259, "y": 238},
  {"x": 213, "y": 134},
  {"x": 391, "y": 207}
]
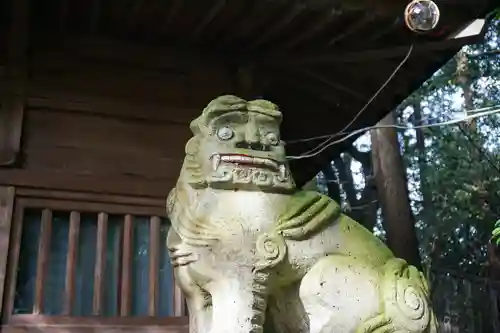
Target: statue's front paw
[{"x": 181, "y": 257}]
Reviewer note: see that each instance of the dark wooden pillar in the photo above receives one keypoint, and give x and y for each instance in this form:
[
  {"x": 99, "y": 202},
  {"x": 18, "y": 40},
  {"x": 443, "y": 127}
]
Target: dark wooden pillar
[{"x": 13, "y": 84}]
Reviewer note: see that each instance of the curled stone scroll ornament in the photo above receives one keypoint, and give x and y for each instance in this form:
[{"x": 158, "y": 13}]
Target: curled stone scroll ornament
[
  {"x": 271, "y": 248},
  {"x": 406, "y": 302}
]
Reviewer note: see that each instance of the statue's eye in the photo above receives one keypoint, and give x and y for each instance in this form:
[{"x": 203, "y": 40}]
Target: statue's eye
[
  {"x": 225, "y": 133},
  {"x": 272, "y": 138}
]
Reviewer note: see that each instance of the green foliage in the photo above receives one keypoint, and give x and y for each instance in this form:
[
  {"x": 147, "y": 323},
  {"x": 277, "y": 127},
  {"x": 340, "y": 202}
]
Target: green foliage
[
  {"x": 455, "y": 188},
  {"x": 495, "y": 235}
]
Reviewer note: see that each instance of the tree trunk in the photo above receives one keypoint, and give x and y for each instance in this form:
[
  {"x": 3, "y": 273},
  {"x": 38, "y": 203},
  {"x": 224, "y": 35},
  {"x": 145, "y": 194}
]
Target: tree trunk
[{"x": 390, "y": 180}]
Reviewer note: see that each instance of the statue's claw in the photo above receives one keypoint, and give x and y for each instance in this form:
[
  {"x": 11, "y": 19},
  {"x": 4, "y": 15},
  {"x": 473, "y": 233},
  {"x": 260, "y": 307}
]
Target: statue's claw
[
  {"x": 179, "y": 257},
  {"x": 377, "y": 324}
]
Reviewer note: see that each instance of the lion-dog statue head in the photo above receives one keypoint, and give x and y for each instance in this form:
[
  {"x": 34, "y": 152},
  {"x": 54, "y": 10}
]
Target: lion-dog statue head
[{"x": 237, "y": 145}]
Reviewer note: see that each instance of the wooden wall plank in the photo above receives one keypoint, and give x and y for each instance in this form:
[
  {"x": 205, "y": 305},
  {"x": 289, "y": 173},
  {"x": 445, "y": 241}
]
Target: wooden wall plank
[
  {"x": 51, "y": 128},
  {"x": 100, "y": 264},
  {"x": 6, "y": 211},
  {"x": 126, "y": 274},
  {"x": 100, "y": 163},
  {"x": 84, "y": 144},
  {"x": 42, "y": 261},
  {"x": 61, "y": 98},
  {"x": 122, "y": 185},
  {"x": 154, "y": 265},
  {"x": 71, "y": 262},
  {"x": 117, "y": 77}
]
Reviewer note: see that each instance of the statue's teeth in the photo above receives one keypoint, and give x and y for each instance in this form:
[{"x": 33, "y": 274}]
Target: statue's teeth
[
  {"x": 282, "y": 171},
  {"x": 215, "y": 161}
]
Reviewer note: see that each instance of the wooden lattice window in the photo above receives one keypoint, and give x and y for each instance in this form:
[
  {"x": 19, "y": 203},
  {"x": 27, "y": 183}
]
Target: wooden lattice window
[{"x": 84, "y": 263}]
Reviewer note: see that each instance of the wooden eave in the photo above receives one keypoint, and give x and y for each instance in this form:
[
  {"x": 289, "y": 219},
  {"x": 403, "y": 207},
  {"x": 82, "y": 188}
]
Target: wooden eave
[{"x": 321, "y": 61}]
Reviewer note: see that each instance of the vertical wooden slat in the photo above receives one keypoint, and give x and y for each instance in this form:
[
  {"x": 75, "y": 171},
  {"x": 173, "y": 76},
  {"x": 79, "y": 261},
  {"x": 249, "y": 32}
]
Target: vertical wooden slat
[
  {"x": 154, "y": 264},
  {"x": 12, "y": 261},
  {"x": 42, "y": 260},
  {"x": 179, "y": 301},
  {"x": 126, "y": 285},
  {"x": 6, "y": 208},
  {"x": 117, "y": 265},
  {"x": 100, "y": 264},
  {"x": 74, "y": 232}
]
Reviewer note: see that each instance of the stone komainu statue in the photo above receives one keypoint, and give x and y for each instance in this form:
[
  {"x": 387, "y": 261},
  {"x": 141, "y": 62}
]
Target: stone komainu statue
[{"x": 250, "y": 249}]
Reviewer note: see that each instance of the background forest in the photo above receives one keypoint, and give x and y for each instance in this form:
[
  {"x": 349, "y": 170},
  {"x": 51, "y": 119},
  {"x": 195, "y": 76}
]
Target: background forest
[{"x": 451, "y": 177}]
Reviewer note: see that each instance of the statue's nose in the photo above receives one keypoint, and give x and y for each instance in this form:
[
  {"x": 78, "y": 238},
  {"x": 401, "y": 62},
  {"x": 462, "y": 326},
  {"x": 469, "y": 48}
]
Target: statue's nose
[
  {"x": 252, "y": 135},
  {"x": 252, "y": 139}
]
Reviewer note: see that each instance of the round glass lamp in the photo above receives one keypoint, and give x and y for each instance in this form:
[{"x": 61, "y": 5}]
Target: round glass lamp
[{"x": 421, "y": 15}]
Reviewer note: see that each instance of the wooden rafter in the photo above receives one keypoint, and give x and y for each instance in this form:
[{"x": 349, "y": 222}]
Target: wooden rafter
[
  {"x": 95, "y": 15},
  {"x": 278, "y": 26},
  {"x": 331, "y": 84},
  {"x": 383, "y": 31},
  {"x": 171, "y": 15},
  {"x": 216, "y": 8},
  {"x": 63, "y": 14},
  {"x": 134, "y": 15},
  {"x": 317, "y": 27},
  {"x": 249, "y": 22},
  {"x": 318, "y": 92},
  {"x": 351, "y": 29},
  {"x": 371, "y": 55}
]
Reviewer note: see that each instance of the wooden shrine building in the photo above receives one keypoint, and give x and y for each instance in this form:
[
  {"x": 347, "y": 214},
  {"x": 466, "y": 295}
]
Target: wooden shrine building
[{"x": 95, "y": 101}]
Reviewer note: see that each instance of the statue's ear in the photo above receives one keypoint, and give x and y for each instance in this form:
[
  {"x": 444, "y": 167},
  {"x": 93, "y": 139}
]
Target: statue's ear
[
  {"x": 194, "y": 126},
  {"x": 192, "y": 146}
]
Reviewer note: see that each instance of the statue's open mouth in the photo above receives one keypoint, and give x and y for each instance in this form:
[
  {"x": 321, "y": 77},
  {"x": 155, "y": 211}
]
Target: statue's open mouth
[{"x": 249, "y": 161}]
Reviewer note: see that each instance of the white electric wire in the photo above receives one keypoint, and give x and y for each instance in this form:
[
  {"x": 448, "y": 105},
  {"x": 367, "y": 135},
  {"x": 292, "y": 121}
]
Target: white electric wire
[
  {"x": 426, "y": 119},
  {"x": 361, "y": 130},
  {"x": 379, "y": 90}
]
